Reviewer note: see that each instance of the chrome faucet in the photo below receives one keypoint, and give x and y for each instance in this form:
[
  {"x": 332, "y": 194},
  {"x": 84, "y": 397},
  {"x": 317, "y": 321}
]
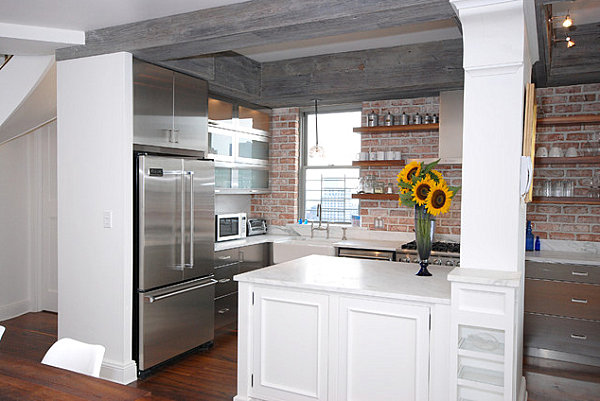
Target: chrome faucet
[{"x": 320, "y": 226}]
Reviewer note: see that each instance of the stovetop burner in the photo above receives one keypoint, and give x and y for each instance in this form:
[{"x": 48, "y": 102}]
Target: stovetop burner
[{"x": 438, "y": 246}]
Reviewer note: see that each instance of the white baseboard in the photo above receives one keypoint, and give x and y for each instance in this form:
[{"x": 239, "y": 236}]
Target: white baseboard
[
  {"x": 15, "y": 309},
  {"x": 119, "y": 373},
  {"x": 522, "y": 394}
]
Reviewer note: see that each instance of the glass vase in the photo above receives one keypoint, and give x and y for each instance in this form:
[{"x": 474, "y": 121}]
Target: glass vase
[{"x": 424, "y": 228}]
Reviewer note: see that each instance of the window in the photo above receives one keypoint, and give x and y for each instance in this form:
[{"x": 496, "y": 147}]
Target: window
[{"x": 331, "y": 180}]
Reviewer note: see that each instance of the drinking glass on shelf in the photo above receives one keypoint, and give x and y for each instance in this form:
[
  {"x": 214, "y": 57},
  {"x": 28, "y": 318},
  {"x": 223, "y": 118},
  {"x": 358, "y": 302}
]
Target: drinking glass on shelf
[
  {"x": 546, "y": 188},
  {"x": 557, "y": 188},
  {"x": 568, "y": 187}
]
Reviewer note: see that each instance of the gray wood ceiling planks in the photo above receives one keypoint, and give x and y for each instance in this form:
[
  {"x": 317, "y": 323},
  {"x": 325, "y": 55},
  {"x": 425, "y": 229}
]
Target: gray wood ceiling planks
[{"x": 254, "y": 23}]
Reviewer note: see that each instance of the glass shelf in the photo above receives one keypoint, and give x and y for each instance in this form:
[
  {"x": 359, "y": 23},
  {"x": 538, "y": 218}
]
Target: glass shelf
[{"x": 490, "y": 377}]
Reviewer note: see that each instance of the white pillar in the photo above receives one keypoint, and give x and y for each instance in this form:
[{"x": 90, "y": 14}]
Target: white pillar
[
  {"x": 497, "y": 64},
  {"x": 95, "y": 159}
]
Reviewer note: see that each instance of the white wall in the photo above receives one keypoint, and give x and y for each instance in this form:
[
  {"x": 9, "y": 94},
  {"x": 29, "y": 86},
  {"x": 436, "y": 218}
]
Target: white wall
[
  {"x": 95, "y": 156},
  {"x": 27, "y": 223}
]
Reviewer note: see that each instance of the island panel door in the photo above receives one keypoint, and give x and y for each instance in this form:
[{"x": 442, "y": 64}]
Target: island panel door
[
  {"x": 290, "y": 345},
  {"x": 383, "y": 351}
]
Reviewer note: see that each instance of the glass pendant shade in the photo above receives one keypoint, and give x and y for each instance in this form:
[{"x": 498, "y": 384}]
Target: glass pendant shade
[{"x": 316, "y": 151}]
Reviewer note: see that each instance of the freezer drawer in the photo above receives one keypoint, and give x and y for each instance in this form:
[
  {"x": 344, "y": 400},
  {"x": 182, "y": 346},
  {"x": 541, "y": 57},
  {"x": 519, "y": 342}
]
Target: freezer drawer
[{"x": 174, "y": 320}]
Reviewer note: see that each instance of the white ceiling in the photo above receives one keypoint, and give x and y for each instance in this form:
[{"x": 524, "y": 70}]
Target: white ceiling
[{"x": 86, "y": 15}]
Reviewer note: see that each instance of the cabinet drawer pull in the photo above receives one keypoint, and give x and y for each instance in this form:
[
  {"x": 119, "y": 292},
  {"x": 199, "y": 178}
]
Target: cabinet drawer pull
[
  {"x": 583, "y": 274},
  {"x": 578, "y": 336},
  {"x": 224, "y": 280},
  {"x": 225, "y": 257},
  {"x": 579, "y": 301},
  {"x": 223, "y": 311}
]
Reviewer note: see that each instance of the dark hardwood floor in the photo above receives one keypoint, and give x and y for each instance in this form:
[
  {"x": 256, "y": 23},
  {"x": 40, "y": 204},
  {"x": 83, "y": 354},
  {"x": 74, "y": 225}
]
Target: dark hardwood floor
[{"x": 205, "y": 375}]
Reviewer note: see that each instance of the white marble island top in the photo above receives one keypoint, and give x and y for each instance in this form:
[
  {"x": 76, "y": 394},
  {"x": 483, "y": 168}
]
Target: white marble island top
[{"x": 356, "y": 276}]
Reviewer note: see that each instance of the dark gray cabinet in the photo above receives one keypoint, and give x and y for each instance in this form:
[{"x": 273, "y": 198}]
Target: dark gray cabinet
[
  {"x": 228, "y": 263},
  {"x": 170, "y": 109},
  {"x": 562, "y": 312}
]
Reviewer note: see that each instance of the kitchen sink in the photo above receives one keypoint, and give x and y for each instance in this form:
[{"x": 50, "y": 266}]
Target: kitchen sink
[{"x": 297, "y": 248}]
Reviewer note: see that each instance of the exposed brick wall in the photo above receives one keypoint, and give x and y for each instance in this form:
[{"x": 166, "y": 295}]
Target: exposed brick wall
[
  {"x": 281, "y": 205},
  {"x": 566, "y": 222},
  {"x": 413, "y": 145}
]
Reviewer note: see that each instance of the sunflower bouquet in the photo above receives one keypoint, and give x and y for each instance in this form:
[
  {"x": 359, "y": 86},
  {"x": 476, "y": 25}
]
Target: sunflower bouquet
[
  {"x": 424, "y": 188},
  {"x": 422, "y": 185}
]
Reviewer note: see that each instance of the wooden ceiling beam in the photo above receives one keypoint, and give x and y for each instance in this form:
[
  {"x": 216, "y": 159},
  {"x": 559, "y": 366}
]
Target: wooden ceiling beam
[
  {"x": 397, "y": 72},
  {"x": 254, "y": 23}
]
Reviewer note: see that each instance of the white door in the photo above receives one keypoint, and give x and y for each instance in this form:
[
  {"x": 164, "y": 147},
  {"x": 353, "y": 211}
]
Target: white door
[
  {"x": 383, "y": 351},
  {"x": 290, "y": 345}
]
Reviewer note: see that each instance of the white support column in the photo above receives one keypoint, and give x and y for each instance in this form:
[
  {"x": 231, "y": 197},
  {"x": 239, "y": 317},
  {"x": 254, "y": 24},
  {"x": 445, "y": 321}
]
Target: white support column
[
  {"x": 95, "y": 159},
  {"x": 500, "y": 46},
  {"x": 497, "y": 63}
]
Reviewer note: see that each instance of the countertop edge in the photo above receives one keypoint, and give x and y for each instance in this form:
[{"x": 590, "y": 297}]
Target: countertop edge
[
  {"x": 371, "y": 293},
  {"x": 486, "y": 277}
]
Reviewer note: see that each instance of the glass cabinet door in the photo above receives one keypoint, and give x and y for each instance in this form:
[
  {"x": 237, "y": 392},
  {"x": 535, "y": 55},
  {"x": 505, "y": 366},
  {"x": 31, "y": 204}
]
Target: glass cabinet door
[
  {"x": 253, "y": 119},
  {"x": 223, "y": 177},
  {"x": 253, "y": 149},
  {"x": 253, "y": 178},
  {"x": 220, "y": 144},
  {"x": 219, "y": 110}
]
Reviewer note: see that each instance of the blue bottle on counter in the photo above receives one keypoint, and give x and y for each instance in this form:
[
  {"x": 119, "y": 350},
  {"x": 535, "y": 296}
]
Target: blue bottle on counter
[
  {"x": 529, "y": 237},
  {"x": 537, "y": 243}
]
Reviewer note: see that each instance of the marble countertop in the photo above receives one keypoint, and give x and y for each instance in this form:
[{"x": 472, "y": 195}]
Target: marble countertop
[
  {"x": 253, "y": 240},
  {"x": 356, "y": 276},
  {"x": 370, "y": 244},
  {"x": 579, "y": 258}
]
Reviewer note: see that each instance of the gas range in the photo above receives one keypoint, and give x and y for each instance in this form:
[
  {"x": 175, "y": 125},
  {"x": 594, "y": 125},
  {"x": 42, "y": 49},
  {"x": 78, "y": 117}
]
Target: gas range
[{"x": 442, "y": 253}]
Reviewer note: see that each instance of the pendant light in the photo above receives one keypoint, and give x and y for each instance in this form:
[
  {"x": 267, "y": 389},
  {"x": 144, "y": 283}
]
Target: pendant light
[{"x": 316, "y": 151}]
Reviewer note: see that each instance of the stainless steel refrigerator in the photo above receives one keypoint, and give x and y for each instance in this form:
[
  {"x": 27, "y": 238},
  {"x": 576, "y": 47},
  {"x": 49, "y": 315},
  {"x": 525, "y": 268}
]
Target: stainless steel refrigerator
[{"x": 174, "y": 305}]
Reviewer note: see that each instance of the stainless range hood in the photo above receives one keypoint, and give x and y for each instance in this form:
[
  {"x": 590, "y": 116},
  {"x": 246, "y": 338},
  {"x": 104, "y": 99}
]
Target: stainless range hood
[{"x": 451, "y": 127}]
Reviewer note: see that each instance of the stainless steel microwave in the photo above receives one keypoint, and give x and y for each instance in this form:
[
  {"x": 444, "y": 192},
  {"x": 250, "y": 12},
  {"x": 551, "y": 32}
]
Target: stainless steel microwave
[{"x": 230, "y": 226}]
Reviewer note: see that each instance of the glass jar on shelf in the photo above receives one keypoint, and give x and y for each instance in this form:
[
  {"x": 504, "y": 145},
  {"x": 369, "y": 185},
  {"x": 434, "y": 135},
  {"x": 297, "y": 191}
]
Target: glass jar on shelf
[
  {"x": 369, "y": 184},
  {"x": 378, "y": 187}
]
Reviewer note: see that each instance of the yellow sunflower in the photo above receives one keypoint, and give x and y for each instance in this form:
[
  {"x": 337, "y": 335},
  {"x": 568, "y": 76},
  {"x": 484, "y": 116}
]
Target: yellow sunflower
[
  {"x": 436, "y": 176},
  {"x": 421, "y": 189},
  {"x": 439, "y": 199},
  {"x": 410, "y": 171}
]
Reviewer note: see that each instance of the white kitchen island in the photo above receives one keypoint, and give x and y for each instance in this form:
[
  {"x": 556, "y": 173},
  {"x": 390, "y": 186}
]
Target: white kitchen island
[{"x": 328, "y": 328}]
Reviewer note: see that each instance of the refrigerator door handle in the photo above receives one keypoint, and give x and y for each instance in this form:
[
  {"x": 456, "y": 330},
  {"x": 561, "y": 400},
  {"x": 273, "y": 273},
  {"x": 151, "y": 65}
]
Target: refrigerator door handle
[
  {"x": 191, "y": 264},
  {"x": 181, "y": 266},
  {"x": 155, "y": 298}
]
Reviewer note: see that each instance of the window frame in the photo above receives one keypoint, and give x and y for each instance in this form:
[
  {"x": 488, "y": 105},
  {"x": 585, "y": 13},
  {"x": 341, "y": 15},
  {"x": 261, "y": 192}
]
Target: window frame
[{"x": 303, "y": 162}]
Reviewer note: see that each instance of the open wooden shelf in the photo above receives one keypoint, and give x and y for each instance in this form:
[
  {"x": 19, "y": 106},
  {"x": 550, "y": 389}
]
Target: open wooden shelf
[
  {"x": 375, "y": 196},
  {"x": 566, "y": 200},
  {"x": 581, "y": 119},
  {"x": 378, "y": 163},
  {"x": 398, "y": 128},
  {"x": 567, "y": 160}
]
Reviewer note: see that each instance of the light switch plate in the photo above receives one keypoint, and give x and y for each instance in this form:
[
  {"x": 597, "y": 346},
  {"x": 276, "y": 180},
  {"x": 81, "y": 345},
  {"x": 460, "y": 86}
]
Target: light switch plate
[{"x": 107, "y": 219}]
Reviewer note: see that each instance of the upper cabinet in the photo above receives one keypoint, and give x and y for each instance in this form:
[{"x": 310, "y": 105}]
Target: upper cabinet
[
  {"x": 169, "y": 108},
  {"x": 238, "y": 141},
  {"x": 231, "y": 115}
]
